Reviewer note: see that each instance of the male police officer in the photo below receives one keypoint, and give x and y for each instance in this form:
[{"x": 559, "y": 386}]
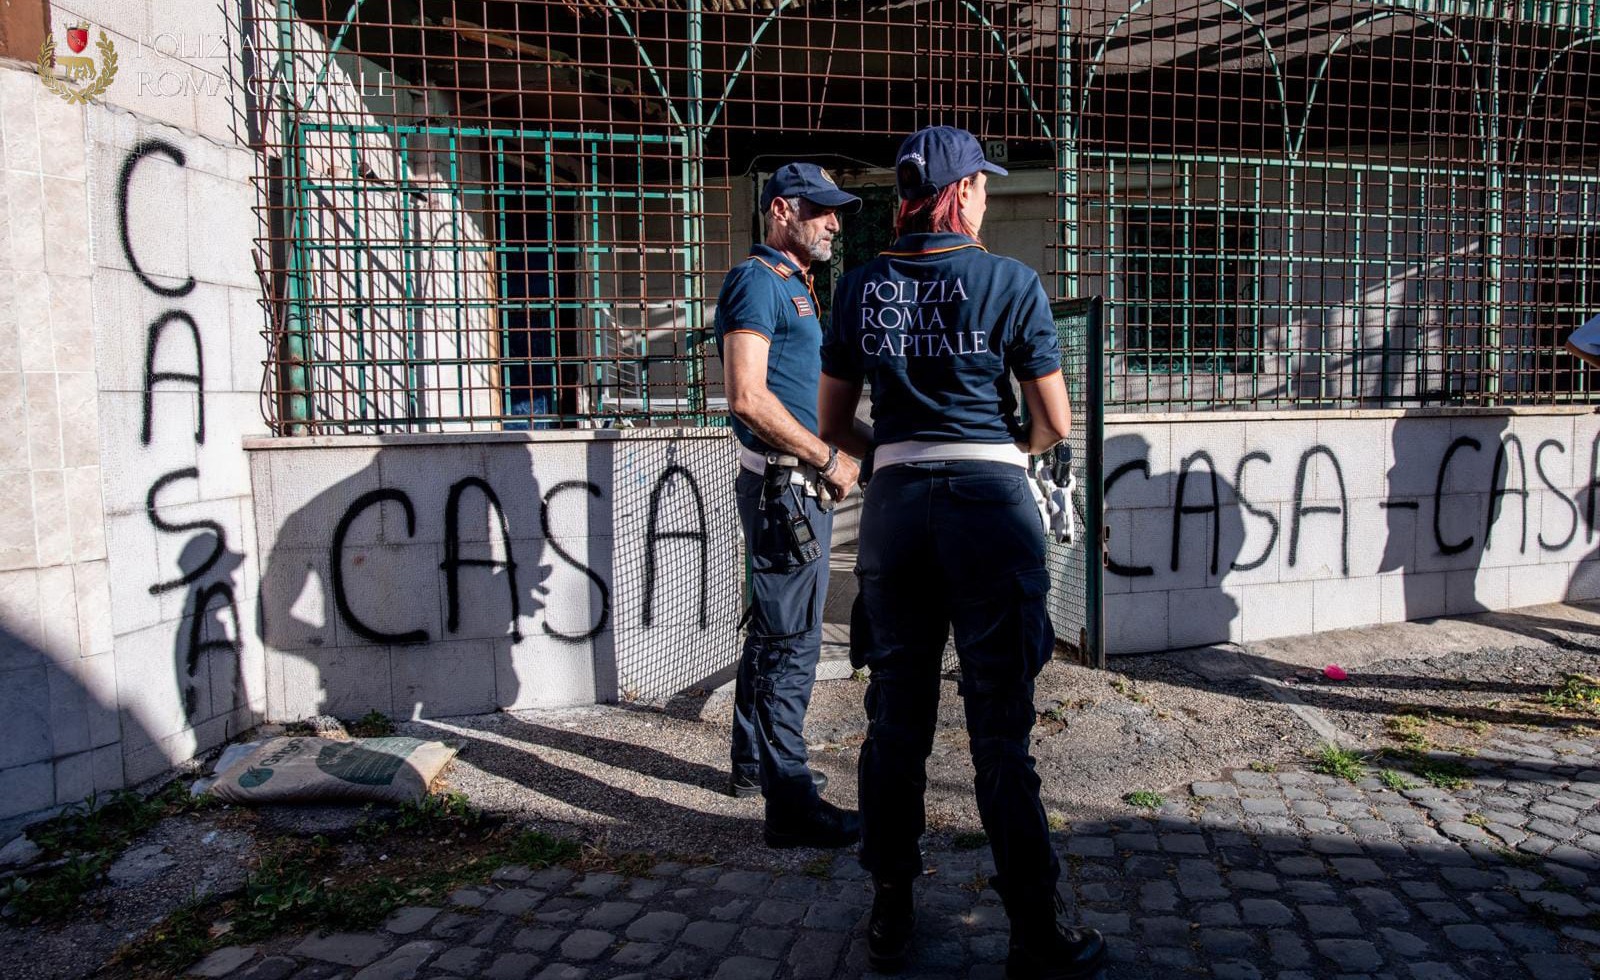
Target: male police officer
[{"x": 770, "y": 338}]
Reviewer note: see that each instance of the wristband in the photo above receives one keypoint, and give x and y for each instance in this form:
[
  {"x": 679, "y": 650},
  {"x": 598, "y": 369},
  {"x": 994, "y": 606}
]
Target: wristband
[{"x": 832, "y": 463}]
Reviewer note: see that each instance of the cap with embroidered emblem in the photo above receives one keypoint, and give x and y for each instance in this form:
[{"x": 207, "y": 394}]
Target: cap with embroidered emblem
[
  {"x": 933, "y": 158},
  {"x": 809, "y": 181}
]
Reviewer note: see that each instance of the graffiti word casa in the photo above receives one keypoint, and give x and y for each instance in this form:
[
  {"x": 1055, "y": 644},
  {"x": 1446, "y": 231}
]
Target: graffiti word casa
[
  {"x": 904, "y": 318},
  {"x": 83, "y": 79}
]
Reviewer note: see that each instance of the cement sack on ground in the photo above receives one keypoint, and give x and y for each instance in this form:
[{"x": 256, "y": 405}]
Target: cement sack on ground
[{"x": 325, "y": 770}]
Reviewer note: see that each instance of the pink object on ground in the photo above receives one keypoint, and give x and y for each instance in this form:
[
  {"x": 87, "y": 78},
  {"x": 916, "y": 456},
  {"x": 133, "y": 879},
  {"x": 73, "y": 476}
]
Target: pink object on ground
[{"x": 1334, "y": 672}]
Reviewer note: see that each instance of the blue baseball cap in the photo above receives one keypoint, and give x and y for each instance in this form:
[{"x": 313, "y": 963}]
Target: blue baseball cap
[
  {"x": 811, "y": 182},
  {"x": 933, "y": 158}
]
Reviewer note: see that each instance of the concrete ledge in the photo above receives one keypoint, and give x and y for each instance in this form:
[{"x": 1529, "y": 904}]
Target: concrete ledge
[
  {"x": 1314, "y": 414},
  {"x": 402, "y": 439}
]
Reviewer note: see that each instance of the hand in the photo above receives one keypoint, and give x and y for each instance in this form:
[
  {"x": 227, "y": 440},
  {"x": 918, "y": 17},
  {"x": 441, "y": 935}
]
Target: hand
[{"x": 843, "y": 478}]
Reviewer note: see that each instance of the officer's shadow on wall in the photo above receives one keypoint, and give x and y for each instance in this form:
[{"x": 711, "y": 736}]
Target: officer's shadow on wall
[
  {"x": 1175, "y": 534},
  {"x": 402, "y": 587},
  {"x": 208, "y": 646}
]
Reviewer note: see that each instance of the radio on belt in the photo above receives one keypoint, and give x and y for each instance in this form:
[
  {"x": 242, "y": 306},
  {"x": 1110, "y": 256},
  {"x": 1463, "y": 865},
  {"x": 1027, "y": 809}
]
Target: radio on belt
[{"x": 802, "y": 538}]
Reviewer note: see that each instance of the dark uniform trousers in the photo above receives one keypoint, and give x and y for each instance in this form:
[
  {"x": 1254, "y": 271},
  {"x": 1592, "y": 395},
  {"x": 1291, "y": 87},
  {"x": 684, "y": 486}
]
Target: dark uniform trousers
[
  {"x": 954, "y": 546},
  {"x": 782, "y": 642}
]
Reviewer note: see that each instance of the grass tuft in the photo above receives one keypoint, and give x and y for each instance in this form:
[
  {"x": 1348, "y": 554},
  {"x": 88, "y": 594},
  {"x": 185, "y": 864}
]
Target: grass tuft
[
  {"x": 1339, "y": 763},
  {"x": 1144, "y": 798},
  {"x": 1578, "y": 692}
]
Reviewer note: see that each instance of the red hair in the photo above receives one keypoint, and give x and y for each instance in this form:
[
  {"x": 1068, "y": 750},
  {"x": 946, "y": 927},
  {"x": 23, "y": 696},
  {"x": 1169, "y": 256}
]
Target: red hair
[{"x": 939, "y": 212}]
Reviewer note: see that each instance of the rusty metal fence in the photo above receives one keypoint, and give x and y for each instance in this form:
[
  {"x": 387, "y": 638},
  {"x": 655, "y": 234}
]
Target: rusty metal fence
[{"x": 483, "y": 214}]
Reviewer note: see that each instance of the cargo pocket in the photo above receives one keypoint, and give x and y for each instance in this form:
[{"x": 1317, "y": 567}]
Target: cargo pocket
[{"x": 1038, "y": 635}]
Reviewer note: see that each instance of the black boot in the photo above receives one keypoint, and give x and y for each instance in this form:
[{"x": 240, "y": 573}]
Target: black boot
[
  {"x": 1044, "y": 949},
  {"x": 889, "y": 929},
  {"x": 744, "y": 787},
  {"x": 822, "y": 825}
]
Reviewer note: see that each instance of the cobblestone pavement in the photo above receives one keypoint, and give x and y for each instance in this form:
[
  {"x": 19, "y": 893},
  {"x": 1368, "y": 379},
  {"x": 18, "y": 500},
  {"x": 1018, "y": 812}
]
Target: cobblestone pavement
[{"x": 1288, "y": 874}]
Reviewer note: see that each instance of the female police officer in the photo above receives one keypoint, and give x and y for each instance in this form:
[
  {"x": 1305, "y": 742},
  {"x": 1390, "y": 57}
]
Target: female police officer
[{"x": 951, "y": 538}]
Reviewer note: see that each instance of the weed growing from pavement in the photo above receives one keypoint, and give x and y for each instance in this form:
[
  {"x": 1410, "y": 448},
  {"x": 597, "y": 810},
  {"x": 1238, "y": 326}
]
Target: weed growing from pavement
[
  {"x": 1339, "y": 763},
  {"x": 979, "y": 882},
  {"x": 1259, "y": 766},
  {"x": 1125, "y": 688},
  {"x": 1578, "y": 692},
  {"x": 1057, "y": 821},
  {"x": 302, "y": 884},
  {"x": 1440, "y": 773},
  {"x": 1477, "y": 819},
  {"x": 1408, "y": 731},
  {"x": 373, "y": 724},
  {"x": 1395, "y": 781},
  {"x": 819, "y": 867},
  {"x": 969, "y": 841},
  {"x": 1519, "y": 858},
  {"x": 1144, "y": 798},
  {"x": 81, "y": 844}
]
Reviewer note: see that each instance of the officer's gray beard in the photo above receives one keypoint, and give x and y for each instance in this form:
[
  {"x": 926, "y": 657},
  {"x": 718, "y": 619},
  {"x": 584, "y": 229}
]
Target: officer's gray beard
[{"x": 820, "y": 251}]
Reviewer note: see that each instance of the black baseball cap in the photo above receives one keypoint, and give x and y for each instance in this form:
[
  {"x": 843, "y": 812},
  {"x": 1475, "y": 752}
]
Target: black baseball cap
[
  {"x": 811, "y": 182},
  {"x": 932, "y": 158}
]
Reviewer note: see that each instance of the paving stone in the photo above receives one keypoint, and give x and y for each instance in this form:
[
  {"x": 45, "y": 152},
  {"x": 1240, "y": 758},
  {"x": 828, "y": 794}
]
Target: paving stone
[
  {"x": 1330, "y": 920},
  {"x": 710, "y": 936},
  {"x": 1440, "y": 913},
  {"x": 1100, "y": 847},
  {"x": 270, "y": 968},
  {"x": 1406, "y": 944},
  {"x": 1265, "y": 912},
  {"x": 1165, "y": 930},
  {"x": 1557, "y": 903},
  {"x": 815, "y": 954},
  {"x": 765, "y": 941},
  {"x": 403, "y": 922},
  {"x": 735, "y": 909},
  {"x": 1235, "y": 970},
  {"x": 223, "y": 961},
  {"x": 1158, "y": 896},
  {"x": 1301, "y": 866},
  {"x": 611, "y": 915},
  {"x": 1305, "y": 890},
  {"x": 1575, "y": 857},
  {"x": 1217, "y": 914},
  {"x": 657, "y": 927},
  {"x": 1213, "y": 790},
  {"x": 1382, "y": 904},
  {"x": 644, "y": 888},
  {"x": 1357, "y": 869},
  {"x": 1136, "y": 842},
  {"x": 537, "y": 940},
  {"x": 586, "y": 944},
  {"x": 1256, "y": 881},
  {"x": 1184, "y": 843},
  {"x": 794, "y": 888},
  {"x": 744, "y": 882},
  {"x": 512, "y": 966},
  {"x": 746, "y": 968},
  {"x": 1109, "y": 923},
  {"x": 462, "y": 960},
  {"x": 1554, "y": 966},
  {"x": 597, "y": 885},
  {"x": 514, "y": 902},
  {"x": 1474, "y": 937},
  {"x": 1225, "y": 942},
  {"x": 1101, "y": 891},
  {"x": 561, "y": 971},
  {"x": 638, "y": 954},
  {"x": 1354, "y": 955},
  {"x": 402, "y": 964},
  {"x": 840, "y": 916},
  {"x": 1526, "y": 936},
  {"x": 1432, "y": 971},
  {"x": 550, "y": 879},
  {"x": 345, "y": 948},
  {"x": 1288, "y": 949},
  {"x": 488, "y": 929},
  {"x": 1556, "y": 831}
]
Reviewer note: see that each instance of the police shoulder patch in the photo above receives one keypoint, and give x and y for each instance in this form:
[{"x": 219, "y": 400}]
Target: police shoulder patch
[{"x": 803, "y": 306}]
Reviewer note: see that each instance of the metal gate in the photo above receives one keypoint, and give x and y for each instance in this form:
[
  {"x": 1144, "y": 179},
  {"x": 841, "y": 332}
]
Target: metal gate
[{"x": 1077, "y": 570}]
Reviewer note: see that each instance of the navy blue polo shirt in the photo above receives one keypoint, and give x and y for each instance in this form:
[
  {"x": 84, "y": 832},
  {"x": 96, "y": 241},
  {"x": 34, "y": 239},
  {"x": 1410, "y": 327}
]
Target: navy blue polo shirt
[
  {"x": 936, "y": 323},
  {"x": 768, "y": 295}
]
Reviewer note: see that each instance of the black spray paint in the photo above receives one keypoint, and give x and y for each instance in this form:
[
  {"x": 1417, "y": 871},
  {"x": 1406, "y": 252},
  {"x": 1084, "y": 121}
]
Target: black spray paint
[
  {"x": 653, "y": 535},
  {"x": 341, "y": 598},
  {"x": 599, "y": 583},
  {"x": 453, "y": 561}
]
